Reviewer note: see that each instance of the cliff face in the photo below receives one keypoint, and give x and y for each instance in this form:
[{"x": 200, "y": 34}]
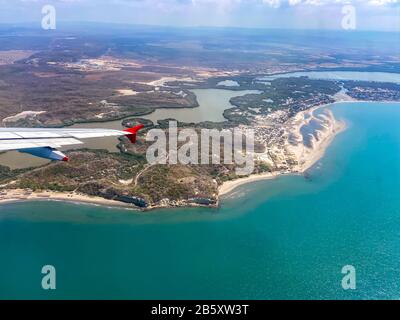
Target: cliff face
[
  {"x": 127, "y": 177},
  {"x": 119, "y": 177}
]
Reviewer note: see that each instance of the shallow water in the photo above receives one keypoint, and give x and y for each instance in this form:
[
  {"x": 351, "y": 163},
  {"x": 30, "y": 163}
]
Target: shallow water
[{"x": 278, "y": 239}]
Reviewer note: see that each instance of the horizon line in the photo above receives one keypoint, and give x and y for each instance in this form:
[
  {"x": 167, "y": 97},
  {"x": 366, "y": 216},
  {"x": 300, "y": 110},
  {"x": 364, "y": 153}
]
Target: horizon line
[{"x": 126, "y": 24}]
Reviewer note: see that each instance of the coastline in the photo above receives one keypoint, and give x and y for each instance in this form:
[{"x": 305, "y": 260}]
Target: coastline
[
  {"x": 314, "y": 157},
  {"x": 21, "y": 195},
  {"x": 315, "y": 154},
  {"x": 231, "y": 185},
  {"x": 326, "y": 137}
]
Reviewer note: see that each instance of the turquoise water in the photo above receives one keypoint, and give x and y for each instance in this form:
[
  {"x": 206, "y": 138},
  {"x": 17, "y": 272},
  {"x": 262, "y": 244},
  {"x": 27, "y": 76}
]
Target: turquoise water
[{"x": 282, "y": 239}]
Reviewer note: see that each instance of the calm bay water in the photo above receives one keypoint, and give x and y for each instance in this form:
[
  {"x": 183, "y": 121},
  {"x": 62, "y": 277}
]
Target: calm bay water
[
  {"x": 282, "y": 239},
  {"x": 212, "y": 104}
]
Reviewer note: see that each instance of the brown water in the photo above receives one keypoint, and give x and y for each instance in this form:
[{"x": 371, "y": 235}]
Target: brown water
[{"x": 212, "y": 103}]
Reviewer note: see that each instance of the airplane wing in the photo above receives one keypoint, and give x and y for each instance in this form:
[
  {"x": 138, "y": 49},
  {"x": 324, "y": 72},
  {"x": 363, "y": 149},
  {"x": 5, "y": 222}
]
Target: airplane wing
[{"x": 44, "y": 142}]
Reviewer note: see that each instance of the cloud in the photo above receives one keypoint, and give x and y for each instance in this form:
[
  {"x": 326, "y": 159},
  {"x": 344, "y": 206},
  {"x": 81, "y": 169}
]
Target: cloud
[
  {"x": 221, "y": 5},
  {"x": 383, "y": 2},
  {"x": 226, "y": 4},
  {"x": 292, "y": 3},
  {"x": 273, "y": 3},
  {"x": 371, "y": 14}
]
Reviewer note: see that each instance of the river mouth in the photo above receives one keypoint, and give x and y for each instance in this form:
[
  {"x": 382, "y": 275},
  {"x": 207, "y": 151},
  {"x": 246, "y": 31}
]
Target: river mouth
[{"x": 212, "y": 104}]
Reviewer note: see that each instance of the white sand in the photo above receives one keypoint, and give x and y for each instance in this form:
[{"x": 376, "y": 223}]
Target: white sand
[
  {"x": 17, "y": 195},
  {"x": 306, "y": 157}
]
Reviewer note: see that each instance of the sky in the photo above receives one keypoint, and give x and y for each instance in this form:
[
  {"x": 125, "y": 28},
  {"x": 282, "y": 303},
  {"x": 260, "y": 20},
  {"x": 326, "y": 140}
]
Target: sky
[{"x": 380, "y": 15}]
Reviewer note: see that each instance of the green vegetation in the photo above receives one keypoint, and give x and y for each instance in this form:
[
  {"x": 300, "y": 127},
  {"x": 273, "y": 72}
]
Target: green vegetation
[
  {"x": 6, "y": 174},
  {"x": 99, "y": 77}
]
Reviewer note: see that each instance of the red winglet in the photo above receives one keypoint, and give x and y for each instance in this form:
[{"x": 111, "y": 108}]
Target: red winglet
[{"x": 133, "y": 131}]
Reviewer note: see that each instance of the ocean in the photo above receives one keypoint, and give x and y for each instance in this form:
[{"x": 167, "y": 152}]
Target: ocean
[{"x": 287, "y": 238}]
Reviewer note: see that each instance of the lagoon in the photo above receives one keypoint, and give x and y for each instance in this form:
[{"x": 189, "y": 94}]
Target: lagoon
[{"x": 212, "y": 104}]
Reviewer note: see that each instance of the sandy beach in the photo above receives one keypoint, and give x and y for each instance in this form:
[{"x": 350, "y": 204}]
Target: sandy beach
[
  {"x": 306, "y": 157},
  {"x": 17, "y": 195},
  {"x": 229, "y": 186},
  {"x": 307, "y": 160}
]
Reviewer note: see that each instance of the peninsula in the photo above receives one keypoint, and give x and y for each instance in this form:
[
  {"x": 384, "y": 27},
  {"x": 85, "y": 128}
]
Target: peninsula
[{"x": 105, "y": 84}]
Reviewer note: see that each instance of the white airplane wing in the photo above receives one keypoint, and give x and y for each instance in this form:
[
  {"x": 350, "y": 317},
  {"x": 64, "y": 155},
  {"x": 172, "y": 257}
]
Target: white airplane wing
[{"x": 44, "y": 142}]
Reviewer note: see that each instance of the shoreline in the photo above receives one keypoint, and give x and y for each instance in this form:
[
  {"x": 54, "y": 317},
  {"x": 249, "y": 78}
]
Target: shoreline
[
  {"x": 8, "y": 196},
  {"x": 229, "y": 186},
  {"x": 337, "y": 126},
  {"x": 315, "y": 155},
  {"x": 21, "y": 195}
]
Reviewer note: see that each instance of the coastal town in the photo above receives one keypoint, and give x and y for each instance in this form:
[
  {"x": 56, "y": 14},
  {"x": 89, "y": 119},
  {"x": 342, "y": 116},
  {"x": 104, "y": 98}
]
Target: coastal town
[
  {"x": 289, "y": 140},
  {"x": 81, "y": 82}
]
